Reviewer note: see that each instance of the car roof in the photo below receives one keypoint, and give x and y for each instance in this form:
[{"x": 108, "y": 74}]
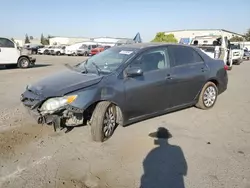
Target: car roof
[{"x": 140, "y": 46}]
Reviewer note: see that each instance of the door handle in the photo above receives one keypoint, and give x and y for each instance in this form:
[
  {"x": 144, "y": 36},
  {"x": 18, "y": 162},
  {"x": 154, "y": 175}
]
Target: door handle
[
  {"x": 169, "y": 77},
  {"x": 203, "y": 69}
]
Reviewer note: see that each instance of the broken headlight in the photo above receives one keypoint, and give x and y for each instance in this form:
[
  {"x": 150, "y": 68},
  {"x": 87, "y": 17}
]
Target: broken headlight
[{"x": 53, "y": 104}]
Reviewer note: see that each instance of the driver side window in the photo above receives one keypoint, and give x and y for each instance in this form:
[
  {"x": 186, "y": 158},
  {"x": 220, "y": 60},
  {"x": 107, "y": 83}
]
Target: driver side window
[{"x": 151, "y": 60}]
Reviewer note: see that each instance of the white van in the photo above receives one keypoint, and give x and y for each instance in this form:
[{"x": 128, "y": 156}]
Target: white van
[
  {"x": 85, "y": 49},
  {"x": 72, "y": 49},
  {"x": 11, "y": 55}
]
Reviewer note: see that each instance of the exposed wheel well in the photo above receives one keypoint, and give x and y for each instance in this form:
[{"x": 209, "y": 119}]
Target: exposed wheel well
[
  {"x": 23, "y": 56},
  {"x": 87, "y": 114},
  {"x": 215, "y": 82}
]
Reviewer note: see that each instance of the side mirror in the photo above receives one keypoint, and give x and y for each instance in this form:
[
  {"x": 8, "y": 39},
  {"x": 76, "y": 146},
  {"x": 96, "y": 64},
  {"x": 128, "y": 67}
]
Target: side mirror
[{"x": 133, "y": 72}]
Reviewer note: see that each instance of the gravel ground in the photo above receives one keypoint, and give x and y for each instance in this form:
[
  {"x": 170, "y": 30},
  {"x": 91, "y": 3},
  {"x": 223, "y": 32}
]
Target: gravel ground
[{"x": 208, "y": 149}]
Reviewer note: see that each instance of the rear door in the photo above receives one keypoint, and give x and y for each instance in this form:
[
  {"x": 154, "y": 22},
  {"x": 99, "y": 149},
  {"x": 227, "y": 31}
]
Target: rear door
[
  {"x": 188, "y": 74},
  {"x": 9, "y": 54}
]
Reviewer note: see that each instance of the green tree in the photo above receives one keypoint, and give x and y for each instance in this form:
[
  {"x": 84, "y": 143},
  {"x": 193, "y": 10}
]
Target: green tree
[
  {"x": 236, "y": 39},
  {"x": 44, "y": 40},
  {"x": 13, "y": 39},
  {"x": 26, "y": 39},
  {"x": 247, "y": 35},
  {"x": 161, "y": 37}
]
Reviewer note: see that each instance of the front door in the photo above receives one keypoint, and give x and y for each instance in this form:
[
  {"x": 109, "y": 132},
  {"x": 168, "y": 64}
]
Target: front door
[
  {"x": 9, "y": 54},
  {"x": 148, "y": 93},
  {"x": 188, "y": 74}
]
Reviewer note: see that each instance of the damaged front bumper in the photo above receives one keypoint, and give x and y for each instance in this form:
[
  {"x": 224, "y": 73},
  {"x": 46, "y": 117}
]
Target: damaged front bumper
[
  {"x": 32, "y": 59},
  {"x": 61, "y": 118}
]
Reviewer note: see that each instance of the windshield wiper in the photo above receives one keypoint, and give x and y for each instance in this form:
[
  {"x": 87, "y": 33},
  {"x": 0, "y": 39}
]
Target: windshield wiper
[
  {"x": 70, "y": 67},
  {"x": 97, "y": 68}
]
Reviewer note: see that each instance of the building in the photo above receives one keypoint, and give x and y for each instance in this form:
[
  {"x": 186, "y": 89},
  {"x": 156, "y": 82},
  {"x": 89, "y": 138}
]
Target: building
[
  {"x": 57, "y": 40},
  {"x": 186, "y": 35},
  {"x": 110, "y": 40},
  {"x": 21, "y": 42}
]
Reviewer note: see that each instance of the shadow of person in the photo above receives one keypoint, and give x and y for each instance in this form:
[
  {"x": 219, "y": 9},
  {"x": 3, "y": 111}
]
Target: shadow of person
[{"x": 164, "y": 166}]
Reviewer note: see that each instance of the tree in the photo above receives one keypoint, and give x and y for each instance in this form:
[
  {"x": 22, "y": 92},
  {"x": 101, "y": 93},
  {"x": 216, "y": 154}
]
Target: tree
[
  {"x": 13, "y": 39},
  {"x": 43, "y": 40},
  {"x": 161, "y": 37},
  {"x": 26, "y": 39},
  {"x": 247, "y": 35},
  {"x": 31, "y": 37},
  {"x": 236, "y": 39}
]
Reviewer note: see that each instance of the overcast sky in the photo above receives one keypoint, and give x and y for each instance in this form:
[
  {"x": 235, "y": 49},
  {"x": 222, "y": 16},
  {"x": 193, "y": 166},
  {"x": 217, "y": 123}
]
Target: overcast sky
[{"x": 117, "y": 18}]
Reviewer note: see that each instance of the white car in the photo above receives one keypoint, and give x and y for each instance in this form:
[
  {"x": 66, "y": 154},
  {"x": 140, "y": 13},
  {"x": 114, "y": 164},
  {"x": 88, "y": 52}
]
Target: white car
[
  {"x": 12, "y": 56},
  {"x": 42, "y": 50},
  {"x": 237, "y": 53},
  {"x": 58, "y": 50},
  {"x": 72, "y": 49}
]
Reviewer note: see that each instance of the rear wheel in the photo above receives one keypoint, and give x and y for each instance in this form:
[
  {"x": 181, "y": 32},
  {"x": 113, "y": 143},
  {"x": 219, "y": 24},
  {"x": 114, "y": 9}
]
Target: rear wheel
[
  {"x": 208, "y": 96},
  {"x": 58, "y": 53},
  {"x": 103, "y": 121}
]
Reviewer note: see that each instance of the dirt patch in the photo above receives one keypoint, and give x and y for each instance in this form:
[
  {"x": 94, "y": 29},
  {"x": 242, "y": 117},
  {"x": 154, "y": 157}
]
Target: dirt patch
[{"x": 20, "y": 136}]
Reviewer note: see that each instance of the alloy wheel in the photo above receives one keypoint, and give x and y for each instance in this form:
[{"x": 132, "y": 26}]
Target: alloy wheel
[
  {"x": 209, "y": 96},
  {"x": 109, "y": 122}
]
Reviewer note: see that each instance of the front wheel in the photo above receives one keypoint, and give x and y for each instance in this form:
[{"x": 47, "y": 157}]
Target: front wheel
[
  {"x": 103, "y": 121},
  {"x": 23, "y": 62},
  {"x": 208, "y": 96}
]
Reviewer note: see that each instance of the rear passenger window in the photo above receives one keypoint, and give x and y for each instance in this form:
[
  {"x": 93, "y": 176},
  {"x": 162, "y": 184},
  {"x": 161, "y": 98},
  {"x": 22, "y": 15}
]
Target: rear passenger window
[
  {"x": 184, "y": 55},
  {"x": 6, "y": 43}
]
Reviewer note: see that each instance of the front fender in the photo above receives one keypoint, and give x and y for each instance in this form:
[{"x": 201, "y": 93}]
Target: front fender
[{"x": 92, "y": 95}]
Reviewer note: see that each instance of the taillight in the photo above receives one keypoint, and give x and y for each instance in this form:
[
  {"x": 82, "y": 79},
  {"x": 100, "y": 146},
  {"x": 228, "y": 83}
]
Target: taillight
[{"x": 225, "y": 67}]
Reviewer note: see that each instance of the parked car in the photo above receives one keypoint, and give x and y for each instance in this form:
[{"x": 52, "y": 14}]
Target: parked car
[
  {"x": 237, "y": 53},
  {"x": 44, "y": 50},
  {"x": 11, "y": 56},
  {"x": 125, "y": 84},
  {"x": 98, "y": 49},
  {"x": 85, "y": 49},
  {"x": 246, "y": 54},
  {"x": 58, "y": 50},
  {"x": 34, "y": 48},
  {"x": 71, "y": 50}
]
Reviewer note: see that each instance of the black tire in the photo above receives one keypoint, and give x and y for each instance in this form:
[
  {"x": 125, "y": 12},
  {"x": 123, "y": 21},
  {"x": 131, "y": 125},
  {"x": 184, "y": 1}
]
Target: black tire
[
  {"x": 97, "y": 121},
  {"x": 238, "y": 62},
  {"x": 201, "y": 102},
  {"x": 58, "y": 53},
  {"x": 23, "y": 62},
  {"x": 85, "y": 54}
]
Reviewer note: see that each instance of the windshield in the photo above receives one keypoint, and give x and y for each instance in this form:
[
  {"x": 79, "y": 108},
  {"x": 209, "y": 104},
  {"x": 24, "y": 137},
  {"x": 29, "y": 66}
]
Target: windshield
[
  {"x": 83, "y": 46},
  {"x": 106, "y": 61},
  {"x": 235, "y": 46}
]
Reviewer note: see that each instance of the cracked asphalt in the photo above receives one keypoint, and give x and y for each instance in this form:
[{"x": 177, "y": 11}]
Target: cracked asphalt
[{"x": 208, "y": 149}]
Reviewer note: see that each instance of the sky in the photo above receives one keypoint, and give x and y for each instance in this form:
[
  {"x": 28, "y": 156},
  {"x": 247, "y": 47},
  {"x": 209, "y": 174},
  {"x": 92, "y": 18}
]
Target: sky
[{"x": 120, "y": 18}]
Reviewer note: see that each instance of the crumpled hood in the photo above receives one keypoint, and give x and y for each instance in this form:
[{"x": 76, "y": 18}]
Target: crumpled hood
[{"x": 63, "y": 82}]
